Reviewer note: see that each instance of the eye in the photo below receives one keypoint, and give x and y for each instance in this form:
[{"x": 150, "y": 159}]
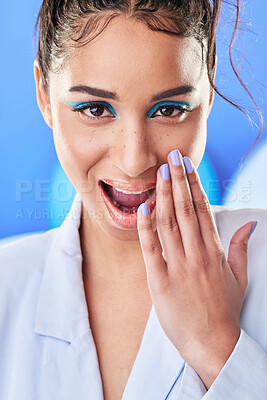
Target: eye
[
  {"x": 94, "y": 110},
  {"x": 101, "y": 109},
  {"x": 167, "y": 111},
  {"x": 173, "y": 110}
]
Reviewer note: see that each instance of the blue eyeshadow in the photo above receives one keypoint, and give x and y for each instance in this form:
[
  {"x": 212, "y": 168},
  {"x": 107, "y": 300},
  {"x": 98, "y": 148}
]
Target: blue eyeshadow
[
  {"x": 185, "y": 105},
  {"x": 80, "y": 104}
]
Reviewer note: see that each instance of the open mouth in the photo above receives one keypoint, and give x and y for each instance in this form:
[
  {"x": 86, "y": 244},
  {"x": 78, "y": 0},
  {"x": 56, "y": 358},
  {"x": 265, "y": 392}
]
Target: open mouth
[{"x": 127, "y": 202}]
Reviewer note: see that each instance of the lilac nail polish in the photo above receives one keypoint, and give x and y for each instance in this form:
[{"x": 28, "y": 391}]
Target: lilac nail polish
[
  {"x": 253, "y": 227},
  {"x": 188, "y": 164},
  {"x": 144, "y": 209},
  {"x": 175, "y": 157},
  {"x": 165, "y": 171}
]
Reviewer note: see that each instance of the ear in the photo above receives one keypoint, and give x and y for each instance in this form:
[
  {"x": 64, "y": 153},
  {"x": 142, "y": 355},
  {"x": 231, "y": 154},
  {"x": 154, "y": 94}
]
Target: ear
[
  {"x": 42, "y": 95},
  {"x": 211, "y": 88}
]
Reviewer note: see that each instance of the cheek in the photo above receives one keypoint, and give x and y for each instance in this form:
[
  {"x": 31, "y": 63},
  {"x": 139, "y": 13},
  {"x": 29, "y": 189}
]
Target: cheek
[
  {"x": 77, "y": 149},
  {"x": 190, "y": 137},
  {"x": 198, "y": 145}
]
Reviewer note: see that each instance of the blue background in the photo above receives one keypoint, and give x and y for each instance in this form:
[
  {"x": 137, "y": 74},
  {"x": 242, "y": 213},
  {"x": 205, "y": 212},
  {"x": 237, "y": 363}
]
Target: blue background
[{"x": 29, "y": 167}]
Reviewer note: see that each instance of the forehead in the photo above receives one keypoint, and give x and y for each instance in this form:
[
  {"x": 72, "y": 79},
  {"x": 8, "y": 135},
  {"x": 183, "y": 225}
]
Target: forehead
[{"x": 128, "y": 52}]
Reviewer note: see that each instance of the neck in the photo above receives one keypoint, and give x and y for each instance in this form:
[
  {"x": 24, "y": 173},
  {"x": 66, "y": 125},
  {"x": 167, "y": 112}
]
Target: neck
[{"x": 111, "y": 261}]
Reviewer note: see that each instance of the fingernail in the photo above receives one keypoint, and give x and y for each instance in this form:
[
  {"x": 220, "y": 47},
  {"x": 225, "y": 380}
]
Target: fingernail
[
  {"x": 144, "y": 209},
  {"x": 188, "y": 164},
  {"x": 165, "y": 171},
  {"x": 175, "y": 157},
  {"x": 253, "y": 227}
]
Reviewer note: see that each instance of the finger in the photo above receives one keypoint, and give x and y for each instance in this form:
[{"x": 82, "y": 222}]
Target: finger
[
  {"x": 156, "y": 268},
  {"x": 183, "y": 204},
  {"x": 237, "y": 254},
  {"x": 202, "y": 207},
  {"x": 167, "y": 226}
]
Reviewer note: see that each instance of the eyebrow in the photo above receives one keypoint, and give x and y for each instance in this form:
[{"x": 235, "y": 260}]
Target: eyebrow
[{"x": 185, "y": 89}]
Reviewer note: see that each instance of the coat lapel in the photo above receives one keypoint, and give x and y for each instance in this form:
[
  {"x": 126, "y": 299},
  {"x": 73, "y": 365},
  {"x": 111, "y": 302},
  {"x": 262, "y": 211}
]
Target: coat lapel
[
  {"x": 74, "y": 373},
  {"x": 191, "y": 386},
  {"x": 157, "y": 366},
  {"x": 69, "y": 358}
]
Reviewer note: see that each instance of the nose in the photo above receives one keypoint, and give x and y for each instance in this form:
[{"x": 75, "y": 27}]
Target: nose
[{"x": 134, "y": 153}]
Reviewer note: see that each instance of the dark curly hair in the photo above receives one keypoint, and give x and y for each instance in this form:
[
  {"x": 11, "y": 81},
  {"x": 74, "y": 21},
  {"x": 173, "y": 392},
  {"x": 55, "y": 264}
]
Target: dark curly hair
[{"x": 66, "y": 24}]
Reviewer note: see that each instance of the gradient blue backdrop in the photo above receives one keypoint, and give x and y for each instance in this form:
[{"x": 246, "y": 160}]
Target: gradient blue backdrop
[{"x": 31, "y": 178}]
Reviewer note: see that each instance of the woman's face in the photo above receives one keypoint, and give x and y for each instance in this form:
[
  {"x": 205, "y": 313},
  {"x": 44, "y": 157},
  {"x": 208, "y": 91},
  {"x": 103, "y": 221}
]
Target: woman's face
[{"x": 126, "y": 138}]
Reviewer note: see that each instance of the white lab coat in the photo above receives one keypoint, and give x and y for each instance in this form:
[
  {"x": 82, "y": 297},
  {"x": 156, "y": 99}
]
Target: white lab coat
[{"x": 47, "y": 351}]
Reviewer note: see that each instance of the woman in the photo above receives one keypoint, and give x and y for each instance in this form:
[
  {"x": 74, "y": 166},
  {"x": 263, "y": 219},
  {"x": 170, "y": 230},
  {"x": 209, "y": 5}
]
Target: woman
[{"x": 133, "y": 296}]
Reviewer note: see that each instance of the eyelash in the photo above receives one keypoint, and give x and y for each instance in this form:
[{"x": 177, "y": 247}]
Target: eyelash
[
  {"x": 91, "y": 105},
  {"x": 183, "y": 109}
]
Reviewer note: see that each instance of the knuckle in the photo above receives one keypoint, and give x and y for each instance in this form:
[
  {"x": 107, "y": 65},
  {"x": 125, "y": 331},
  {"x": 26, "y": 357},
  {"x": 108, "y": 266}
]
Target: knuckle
[
  {"x": 193, "y": 179},
  {"x": 202, "y": 205},
  {"x": 199, "y": 261},
  {"x": 169, "y": 223},
  {"x": 187, "y": 208},
  {"x": 145, "y": 227},
  {"x": 244, "y": 246},
  {"x": 151, "y": 248},
  {"x": 217, "y": 252},
  {"x": 180, "y": 175},
  {"x": 202, "y": 263}
]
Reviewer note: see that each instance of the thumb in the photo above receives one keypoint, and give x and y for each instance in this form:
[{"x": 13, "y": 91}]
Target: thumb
[{"x": 237, "y": 254}]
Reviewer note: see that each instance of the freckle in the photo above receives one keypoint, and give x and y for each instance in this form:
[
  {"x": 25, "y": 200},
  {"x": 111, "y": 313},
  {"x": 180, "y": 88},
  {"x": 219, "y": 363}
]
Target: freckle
[
  {"x": 168, "y": 134},
  {"x": 160, "y": 138},
  {"x": 124, "y": 146}
]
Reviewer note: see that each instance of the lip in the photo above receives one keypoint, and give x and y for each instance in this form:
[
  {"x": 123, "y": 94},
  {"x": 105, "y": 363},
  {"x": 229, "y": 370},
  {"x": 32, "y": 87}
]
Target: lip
[
  {"x": 126, "y": 186},
  {"x": 124, "y": 220}
]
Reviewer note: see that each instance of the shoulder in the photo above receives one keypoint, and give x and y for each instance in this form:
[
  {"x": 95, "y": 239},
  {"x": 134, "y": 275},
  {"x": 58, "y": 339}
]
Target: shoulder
[
  {"x": 225, "y": 214},
  {"x": 228, "y": 220},
  {"x": 24, "y": 258},
  {"x": 21, "y": 270}
]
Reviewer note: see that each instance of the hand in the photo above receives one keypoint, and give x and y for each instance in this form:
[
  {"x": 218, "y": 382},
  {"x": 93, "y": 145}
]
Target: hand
[{"x": 196, "y": 293}]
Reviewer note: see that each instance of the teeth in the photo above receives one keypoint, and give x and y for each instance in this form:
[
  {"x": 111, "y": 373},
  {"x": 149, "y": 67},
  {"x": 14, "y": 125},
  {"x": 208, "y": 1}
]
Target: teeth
[
  {"x": 116, "y": 203},
  {"x": 129, "y": 192}
]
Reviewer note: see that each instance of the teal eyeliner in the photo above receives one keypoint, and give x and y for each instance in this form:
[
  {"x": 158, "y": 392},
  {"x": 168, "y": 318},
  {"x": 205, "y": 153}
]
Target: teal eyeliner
[
  {"x": 181, "y": 105},
  {"x": 78, "y": 105}
]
